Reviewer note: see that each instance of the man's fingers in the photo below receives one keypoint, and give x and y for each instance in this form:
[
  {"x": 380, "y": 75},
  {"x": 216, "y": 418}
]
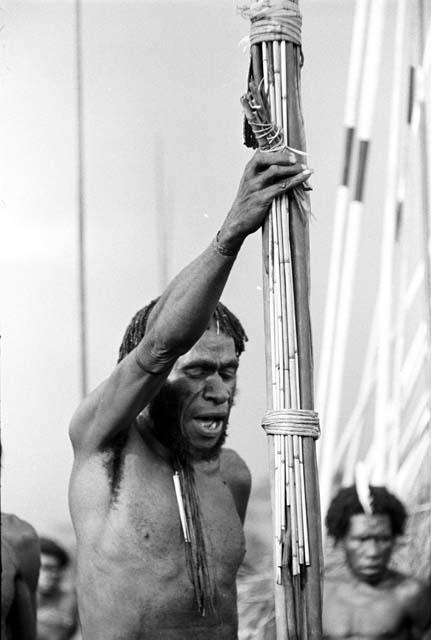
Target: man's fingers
[
  {"x": 276, "y": 173},
  {"x": 282, "y": 187},
  {"x": 264, "y": 159}
]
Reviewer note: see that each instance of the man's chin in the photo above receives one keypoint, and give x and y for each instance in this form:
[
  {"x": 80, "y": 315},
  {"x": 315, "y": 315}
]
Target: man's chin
[
  {"x": 208, "y": 452},
  {"x": 372, "y": 575}
]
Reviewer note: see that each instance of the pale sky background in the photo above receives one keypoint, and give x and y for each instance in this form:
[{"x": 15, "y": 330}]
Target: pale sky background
[{"x": 156, "y": 74}]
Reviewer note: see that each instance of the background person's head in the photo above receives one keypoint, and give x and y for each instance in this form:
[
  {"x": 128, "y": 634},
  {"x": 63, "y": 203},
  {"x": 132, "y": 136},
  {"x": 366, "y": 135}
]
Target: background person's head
[
  {"x": 366, "y": 538},
  {"x": 193, "y": 405},
  {"x": 53, "y": 561}
]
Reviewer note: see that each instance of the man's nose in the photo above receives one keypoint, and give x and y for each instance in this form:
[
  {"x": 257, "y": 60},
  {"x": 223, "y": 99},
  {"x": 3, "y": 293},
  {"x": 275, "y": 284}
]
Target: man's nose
[
  {"x": 216, "y": 389},
  {"x": 372, "y": 549}
]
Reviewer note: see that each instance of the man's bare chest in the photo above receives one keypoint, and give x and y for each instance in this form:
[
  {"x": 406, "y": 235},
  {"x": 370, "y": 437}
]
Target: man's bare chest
[
  {"x": 349, "y": 612},
  {"x": 145, "y": 516}
]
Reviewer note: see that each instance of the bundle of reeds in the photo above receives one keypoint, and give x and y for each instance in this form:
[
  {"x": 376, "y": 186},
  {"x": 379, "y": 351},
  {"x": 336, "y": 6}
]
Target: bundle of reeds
[{"x": 272, "y": 107}]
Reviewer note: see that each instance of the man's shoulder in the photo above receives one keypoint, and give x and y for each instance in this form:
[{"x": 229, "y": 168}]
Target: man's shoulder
[
  {"x": 233, "y": 467},
  {"x": 22, "y": 538},
  {"x": 19, "y": 533},
  {"x": 414, "y": 598},
  {"x": 409, "y": 586}
]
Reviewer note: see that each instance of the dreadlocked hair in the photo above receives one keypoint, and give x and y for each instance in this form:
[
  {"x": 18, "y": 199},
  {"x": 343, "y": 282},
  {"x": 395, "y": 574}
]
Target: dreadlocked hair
[
  {"x": 226, "y": 321},
  {"x": 346, "y": 504}
]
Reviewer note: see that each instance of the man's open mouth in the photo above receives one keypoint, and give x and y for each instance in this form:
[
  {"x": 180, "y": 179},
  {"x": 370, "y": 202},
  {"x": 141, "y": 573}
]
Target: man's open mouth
[{"x": 209, "y": 425}]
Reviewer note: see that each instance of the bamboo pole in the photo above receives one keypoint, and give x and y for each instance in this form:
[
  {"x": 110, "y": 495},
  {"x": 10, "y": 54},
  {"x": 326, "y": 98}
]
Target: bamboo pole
[
  {"x": 294, "y": 492},
  {"x": 284, "y": 622},
  {"x": 299, "y": 234}
]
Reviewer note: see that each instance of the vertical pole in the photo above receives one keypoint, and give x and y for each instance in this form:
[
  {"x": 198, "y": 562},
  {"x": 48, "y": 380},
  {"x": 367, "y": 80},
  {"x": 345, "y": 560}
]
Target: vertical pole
[
  {"x": 385, "y": 302},
  {"x": 162, "y": 214},
  {"x": 425, "y": 177},
  {"x": 341, "y": 205},
  {"x": 355, "y": 214},
  {"x": 299, "y": 234},
  {"x": 82, "y": 301}
]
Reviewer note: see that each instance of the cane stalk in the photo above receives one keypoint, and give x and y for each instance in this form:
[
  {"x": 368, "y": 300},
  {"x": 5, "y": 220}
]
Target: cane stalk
[{"x": 274, "y": 89}]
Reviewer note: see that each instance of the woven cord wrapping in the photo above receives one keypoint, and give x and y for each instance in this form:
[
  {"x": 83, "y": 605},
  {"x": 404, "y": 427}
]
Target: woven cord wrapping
[
  {"x": 291, "y": 422},
  {"x": 274, "y": 20}
]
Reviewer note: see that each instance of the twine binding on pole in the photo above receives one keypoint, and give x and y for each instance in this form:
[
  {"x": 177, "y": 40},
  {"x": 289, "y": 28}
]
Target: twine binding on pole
[
  {"x": 292, "y": 422},
  {"x": 274, "y": 20}
]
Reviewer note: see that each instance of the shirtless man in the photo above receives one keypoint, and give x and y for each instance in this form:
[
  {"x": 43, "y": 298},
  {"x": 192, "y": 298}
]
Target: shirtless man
[
  {"x": 366, "y": 599},
  {"x": 19, "y": 575},
  {"x": 164, "y": 410},
  {"x": 56, "y": 601}
]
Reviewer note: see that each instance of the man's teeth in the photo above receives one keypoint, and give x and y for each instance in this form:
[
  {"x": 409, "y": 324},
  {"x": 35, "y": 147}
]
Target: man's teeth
[{"x": 211, "y": 425}]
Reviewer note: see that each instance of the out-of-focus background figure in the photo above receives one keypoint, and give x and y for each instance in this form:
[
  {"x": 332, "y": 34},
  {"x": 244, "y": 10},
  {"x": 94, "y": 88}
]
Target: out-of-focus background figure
[
  {"x": 19, "y": 574},
  {"x": 364, "y": 597},
  {"x": 57, "y": 617}
]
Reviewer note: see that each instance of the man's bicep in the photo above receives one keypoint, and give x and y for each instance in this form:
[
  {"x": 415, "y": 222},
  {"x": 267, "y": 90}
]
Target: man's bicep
[
  {"x": 31, "y": 562},
  {"x": 23, "y": 611},
  {"x": 114, "y": 404},
  {"x": 418, "y": 608}
]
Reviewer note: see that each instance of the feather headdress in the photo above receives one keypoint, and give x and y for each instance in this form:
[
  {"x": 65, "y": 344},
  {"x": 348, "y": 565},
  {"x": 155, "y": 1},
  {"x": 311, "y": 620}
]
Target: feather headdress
[{"x": 363, "y": 488}]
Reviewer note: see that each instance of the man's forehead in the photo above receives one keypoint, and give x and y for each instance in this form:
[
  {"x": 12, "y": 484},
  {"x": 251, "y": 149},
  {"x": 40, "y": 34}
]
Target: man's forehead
[
  {"x": 212, "y": 343},
  {"x": 366, "y": 524}
]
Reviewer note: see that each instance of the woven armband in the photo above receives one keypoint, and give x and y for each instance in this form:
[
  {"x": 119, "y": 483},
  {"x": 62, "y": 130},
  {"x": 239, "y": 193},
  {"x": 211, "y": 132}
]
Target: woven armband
[
  {"x": 222, "y": 250},
  {"x": 292, "y": 422}
]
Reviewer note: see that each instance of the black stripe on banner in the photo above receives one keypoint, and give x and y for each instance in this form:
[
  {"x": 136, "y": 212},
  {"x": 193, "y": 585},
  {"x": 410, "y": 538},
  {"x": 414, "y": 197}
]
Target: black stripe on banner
[
  {"x": 411, "y": 94},
  {"x": 362, "y": 165},
  {"x": 399, "y": 219},
  {"x": 348, "y": 146}
]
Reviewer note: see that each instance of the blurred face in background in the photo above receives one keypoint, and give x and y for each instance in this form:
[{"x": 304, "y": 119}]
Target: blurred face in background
[
  {"x": 368, "y": 546},
  {"x": 50, "y": 574}
]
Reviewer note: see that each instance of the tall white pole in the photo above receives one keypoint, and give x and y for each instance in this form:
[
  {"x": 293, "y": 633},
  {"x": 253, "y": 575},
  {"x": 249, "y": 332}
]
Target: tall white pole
[
  {"x": 385, "y": 315},
  {"x": 365, "y": 119},
  {"x": 82, "y": 293},
  {"x": 341, "y": 204}
]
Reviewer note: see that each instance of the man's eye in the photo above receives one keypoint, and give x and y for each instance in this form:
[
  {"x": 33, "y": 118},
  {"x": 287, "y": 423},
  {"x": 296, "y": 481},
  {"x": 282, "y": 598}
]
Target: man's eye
[
  {"x": 383, "y": 539},
  {"x": 228, "y": 374},
  {"x": 196, "y": 372}
]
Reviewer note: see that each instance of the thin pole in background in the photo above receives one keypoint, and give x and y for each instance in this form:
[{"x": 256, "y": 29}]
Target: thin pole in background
[
  {"x": 82, "y": 301},
  {"x": 162, "y": 213},
  {"x": 424, "y": 141}
]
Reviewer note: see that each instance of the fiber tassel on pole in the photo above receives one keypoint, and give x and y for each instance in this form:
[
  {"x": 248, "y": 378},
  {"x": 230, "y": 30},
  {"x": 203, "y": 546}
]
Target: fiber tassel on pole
[{"x": 274, "y": 121}]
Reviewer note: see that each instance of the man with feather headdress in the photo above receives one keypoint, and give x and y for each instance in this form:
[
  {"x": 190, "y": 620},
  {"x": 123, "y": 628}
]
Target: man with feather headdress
[{"x": 365, "y": 598}]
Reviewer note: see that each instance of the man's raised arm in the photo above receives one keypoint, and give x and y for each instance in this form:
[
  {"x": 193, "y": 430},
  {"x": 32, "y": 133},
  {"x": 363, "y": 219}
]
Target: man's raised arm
[{"x": 185, "y": 308}]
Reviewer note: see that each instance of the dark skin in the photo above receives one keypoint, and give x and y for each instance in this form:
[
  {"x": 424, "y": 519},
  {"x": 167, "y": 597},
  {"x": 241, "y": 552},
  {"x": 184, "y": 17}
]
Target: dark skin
[
  {"x": 132, "y": 574},
  {"x": 56, "y": 613},
  {"x": 368, "y": 600},
  {"x": 20, "y": 572}
]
